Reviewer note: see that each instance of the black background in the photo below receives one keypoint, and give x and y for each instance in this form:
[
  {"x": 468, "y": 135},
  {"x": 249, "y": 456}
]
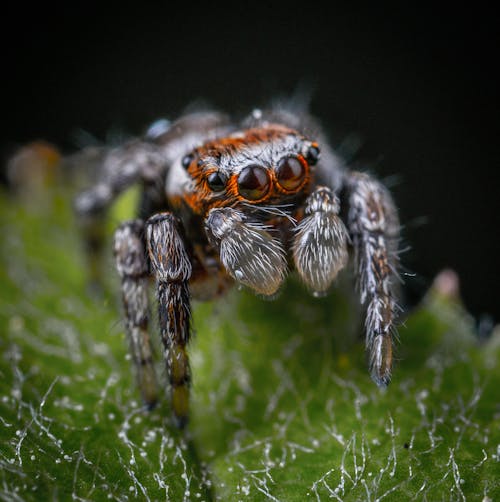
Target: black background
[{"x": 417, "y": 86}]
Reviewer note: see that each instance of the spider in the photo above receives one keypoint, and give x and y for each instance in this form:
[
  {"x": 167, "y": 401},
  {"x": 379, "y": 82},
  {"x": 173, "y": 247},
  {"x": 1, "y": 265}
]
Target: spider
[{"x": 225, "y": 201}]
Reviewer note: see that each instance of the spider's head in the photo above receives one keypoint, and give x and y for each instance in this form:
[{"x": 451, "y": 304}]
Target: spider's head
[{"x": 264, "y": 166}]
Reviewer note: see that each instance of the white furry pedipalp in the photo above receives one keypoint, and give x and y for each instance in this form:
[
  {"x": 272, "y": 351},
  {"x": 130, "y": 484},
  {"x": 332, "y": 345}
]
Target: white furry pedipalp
[
  {"x": 320, "y": 243},
  {"x": 247, "y": 250}
]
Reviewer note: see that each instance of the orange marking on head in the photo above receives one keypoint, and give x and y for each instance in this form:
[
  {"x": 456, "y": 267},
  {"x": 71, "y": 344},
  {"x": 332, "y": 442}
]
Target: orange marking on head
[
  {"x": 237, "y": 141},
  {"x": 203, "y": 197}
]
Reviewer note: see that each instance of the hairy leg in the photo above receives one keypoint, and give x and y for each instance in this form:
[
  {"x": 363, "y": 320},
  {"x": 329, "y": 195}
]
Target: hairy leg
[
  {"x": 121, "y": 168},
  {"x": 320, "y": 241},
  {"x": 132, "y": 265},
  {"x": 374, "y": 229},
  {"x": 172, "y": 268}
]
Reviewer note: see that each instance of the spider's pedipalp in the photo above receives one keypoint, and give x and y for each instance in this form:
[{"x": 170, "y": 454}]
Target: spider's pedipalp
[
  {"x": 320, "y": 241},
  {"x": 132, "y": 266},
  {"x": 172, "y": 268},
  {"x": 374, "y": 228},
  {"x": 249, "y": 253}
]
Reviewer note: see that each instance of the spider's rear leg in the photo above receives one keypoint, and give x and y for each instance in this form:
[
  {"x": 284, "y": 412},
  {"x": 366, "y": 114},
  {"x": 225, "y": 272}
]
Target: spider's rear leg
[
  {"x": 172, "y": 268},
  {"x": 132, "y": 265},
  {"x": 374, "y": 227},
  {"x": 320, "y": 241},
  {"x": 120, "y": 168},
  {"x": 93, "y": 230}
]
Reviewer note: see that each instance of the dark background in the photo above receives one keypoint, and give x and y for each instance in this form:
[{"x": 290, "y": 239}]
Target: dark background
[{"x": 416, "y": 86}]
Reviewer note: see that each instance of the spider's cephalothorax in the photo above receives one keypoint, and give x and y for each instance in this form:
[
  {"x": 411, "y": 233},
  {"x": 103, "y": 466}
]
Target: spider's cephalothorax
[{"x": 224, "y": 202}]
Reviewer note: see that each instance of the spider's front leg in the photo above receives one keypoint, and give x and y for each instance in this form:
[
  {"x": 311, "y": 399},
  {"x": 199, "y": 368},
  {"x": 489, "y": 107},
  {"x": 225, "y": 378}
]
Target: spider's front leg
[
  {"x": 172, "y": 268},
  {"x": 132, "y": 265},
  {"x": 374, "y": 228}
]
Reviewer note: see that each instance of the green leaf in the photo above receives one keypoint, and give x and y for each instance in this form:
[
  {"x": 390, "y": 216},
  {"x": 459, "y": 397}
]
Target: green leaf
[{"x": 282, "y": 404}]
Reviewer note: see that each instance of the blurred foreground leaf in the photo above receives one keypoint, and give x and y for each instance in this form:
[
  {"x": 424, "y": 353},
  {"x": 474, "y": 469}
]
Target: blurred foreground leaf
[{"x": 282, "y": 405}]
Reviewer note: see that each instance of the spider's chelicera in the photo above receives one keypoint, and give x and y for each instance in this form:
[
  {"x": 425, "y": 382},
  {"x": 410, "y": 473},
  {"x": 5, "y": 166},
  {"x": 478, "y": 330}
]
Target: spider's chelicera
[{"x": 224, "y": 202}]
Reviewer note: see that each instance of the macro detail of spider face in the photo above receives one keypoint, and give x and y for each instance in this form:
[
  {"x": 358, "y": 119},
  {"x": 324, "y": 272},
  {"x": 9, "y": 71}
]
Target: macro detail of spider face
[
  {"x": 247, "y": 202},
  {"x": 242, "y": 168}
]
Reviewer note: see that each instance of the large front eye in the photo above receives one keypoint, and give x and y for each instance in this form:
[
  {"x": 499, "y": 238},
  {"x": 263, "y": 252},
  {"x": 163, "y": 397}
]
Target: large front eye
[
  {"x": 290, "y": 173},
  {"x": 253, "y": 182}
]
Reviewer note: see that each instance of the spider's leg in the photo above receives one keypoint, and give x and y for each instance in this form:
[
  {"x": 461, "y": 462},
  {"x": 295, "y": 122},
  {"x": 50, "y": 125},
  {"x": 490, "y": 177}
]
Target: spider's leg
[
  {"x": 320, "y": 241},
  {"x": 374, "y": 229},
  {"x": 132, "y": 265},
  {"x": 172, "y": 268},
  {"x": 121, "y": 168},
  {"x": 93, "y": 233}
]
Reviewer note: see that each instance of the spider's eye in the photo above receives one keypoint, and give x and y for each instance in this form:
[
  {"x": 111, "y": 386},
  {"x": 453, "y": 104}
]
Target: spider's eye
[
  {"x": 186, "y": 160},
  {"x": 253, "y": 182},
  {"x": 290, "y": 173},
  {"x": 312, "y": 155},
  {"x": 216, "y": 181}
]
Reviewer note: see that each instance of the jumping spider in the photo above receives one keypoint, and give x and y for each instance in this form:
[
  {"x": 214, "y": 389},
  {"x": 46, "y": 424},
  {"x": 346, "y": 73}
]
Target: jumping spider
[{"x": 225, "y": 202}]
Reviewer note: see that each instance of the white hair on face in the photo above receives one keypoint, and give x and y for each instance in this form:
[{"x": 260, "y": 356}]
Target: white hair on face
[{"x": 264, "y": 153}]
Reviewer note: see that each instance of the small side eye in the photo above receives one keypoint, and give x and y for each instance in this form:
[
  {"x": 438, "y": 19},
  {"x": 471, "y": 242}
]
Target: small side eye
[
  {"x": 253, "y": 182},
  {"x": 312, "y": 155},
  {"x": 216, "y": 181},
  {"x": 290, "y": 173},
  {"x": 186, "y": 160}
]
